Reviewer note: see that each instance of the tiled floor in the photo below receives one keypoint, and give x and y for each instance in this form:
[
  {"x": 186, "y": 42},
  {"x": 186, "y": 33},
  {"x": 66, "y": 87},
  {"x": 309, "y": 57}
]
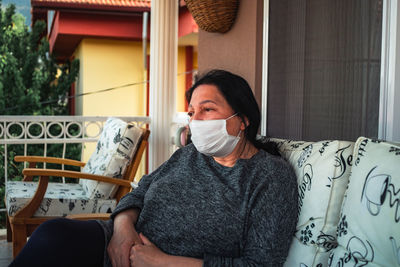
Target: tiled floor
[{"x": 5, "y": 250}]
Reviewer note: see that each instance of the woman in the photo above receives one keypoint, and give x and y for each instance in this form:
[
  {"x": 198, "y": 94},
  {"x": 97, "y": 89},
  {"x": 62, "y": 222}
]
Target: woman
[{"x": 225, "y": 200}]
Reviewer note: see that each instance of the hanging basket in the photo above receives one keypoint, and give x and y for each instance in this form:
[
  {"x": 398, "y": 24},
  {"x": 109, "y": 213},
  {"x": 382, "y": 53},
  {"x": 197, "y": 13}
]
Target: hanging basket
[{"x": 213, "y": 15}]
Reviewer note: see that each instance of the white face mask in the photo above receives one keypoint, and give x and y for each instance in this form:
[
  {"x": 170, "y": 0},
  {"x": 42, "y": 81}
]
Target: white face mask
[{"x": 211, "y": 138}]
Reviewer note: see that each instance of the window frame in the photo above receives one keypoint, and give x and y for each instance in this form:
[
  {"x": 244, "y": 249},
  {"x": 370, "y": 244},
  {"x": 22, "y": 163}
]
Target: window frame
[{"x": 389, "y": 110}]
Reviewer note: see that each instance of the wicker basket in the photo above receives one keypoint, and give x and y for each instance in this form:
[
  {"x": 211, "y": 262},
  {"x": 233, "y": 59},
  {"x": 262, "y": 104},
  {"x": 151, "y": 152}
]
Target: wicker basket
[{"x": 213, "y": 15}]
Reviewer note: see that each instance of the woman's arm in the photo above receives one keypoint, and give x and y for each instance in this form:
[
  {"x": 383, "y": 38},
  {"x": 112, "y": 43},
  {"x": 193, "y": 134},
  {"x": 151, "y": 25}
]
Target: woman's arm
[
  {"x": 124, "y": 237},
  {"x": 148, "y": 255},
  {"x": 126, "y": 215}
]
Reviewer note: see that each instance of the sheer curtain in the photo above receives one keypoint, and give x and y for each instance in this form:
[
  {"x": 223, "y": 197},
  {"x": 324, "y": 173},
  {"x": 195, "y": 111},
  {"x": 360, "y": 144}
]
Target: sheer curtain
[{"x": 324, "y": 69}]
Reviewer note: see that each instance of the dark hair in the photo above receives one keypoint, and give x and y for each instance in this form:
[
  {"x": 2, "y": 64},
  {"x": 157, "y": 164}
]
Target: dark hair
[{"x": 239, "y": 96}]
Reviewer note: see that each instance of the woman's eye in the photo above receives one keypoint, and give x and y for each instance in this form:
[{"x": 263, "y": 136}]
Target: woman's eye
[{"x": 208, "y": 109}]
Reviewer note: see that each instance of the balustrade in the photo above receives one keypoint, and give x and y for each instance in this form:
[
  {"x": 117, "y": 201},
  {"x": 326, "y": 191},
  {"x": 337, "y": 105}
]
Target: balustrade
[{"x": 43, "y": 131}]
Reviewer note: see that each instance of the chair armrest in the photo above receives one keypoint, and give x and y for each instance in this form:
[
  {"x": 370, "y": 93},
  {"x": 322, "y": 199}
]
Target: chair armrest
[
  {"x": 74, "y": 174},
  {"x": 29, "y": 209},
  {"x": 49, "y": 160}
]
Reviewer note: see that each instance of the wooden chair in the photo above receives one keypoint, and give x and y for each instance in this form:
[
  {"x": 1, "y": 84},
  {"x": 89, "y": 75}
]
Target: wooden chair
[{"x": 21, "y": 224}]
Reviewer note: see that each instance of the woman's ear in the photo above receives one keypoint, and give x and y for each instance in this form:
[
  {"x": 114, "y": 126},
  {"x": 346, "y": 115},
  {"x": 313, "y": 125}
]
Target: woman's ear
[{"x": 244, "y": 123}]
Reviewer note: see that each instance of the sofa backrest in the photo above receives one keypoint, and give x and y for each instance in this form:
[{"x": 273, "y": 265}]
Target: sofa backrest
[
  {"x": 364, "y": 178},
  {"x": 322, "y": 170},
  {"x": 114, "y": 151},
  {"x": 369, "y": 225}
]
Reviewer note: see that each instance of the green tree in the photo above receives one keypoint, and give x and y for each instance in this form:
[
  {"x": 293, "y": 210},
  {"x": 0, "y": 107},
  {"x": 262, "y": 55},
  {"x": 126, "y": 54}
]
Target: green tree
[
  {"x": 31, "y": 83},
  {"x": 29, "y": 75}
]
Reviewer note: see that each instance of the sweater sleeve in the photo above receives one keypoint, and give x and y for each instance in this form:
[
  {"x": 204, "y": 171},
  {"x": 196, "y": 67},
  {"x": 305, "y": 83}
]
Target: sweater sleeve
[
  {"x": 271, "y": 222},
  {"x": 135, "y": 198}
]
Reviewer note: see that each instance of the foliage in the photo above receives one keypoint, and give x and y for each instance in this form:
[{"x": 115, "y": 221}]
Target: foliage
[
  {"x": 30, "y": 76},
  {"x": 31, "y": 83}
]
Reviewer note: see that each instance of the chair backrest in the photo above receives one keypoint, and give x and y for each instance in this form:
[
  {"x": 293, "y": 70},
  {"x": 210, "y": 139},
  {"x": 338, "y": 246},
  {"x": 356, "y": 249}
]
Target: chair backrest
[
  {"x": 132, "y": 168},
  {"x": 116, "y": 149}
]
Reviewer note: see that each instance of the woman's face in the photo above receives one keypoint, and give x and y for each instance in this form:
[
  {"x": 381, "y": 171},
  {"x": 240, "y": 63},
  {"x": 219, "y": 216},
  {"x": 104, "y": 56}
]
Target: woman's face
[{"x": 208, "y": 103}]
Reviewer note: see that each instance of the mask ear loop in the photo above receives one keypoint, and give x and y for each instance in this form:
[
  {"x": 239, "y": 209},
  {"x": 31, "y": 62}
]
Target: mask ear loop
[
  {"x": 232, "y": 116},
  {"x": 236, "y": 114}
]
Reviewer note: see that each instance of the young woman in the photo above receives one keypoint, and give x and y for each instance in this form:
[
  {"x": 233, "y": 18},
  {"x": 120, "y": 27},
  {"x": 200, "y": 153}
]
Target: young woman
[{"x": 225, "y": 200}]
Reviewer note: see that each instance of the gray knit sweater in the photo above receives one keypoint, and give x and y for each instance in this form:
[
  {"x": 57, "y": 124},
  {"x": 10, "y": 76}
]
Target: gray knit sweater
[{"x": 192, "y": 206}]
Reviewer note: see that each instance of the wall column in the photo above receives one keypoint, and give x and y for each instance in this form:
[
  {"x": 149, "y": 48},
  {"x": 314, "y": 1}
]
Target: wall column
[{"x": 163, "y": 76}]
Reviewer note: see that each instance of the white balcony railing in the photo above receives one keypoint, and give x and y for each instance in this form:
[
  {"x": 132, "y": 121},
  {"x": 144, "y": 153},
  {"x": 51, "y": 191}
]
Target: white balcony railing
[{"x": 46, "y": 130}]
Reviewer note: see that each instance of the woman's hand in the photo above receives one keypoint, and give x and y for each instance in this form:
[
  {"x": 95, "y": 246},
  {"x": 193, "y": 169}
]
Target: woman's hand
[
  {"x": 147, "y": 254},
  {"x": 123, "y": 238}
]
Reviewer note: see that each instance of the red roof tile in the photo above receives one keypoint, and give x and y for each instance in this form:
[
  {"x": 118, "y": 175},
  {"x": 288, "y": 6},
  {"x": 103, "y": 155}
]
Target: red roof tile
[{"x": 145, "y": 4}]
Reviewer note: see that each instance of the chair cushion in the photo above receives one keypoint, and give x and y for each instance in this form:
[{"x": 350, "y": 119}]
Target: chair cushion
[
  {"x": 369, "y": 226},
  {"x": 60, "y": 199},
  {"x": 114, "y": 152},
  {"x": 322, "y": 170}
]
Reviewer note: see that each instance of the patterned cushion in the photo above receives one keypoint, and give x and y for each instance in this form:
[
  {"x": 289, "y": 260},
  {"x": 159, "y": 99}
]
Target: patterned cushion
[
  {"x": 114, "y": 151},
  {"x": 369, "y": 227},
  {"x": 322, "y": 169},
  {"x": 59, "y": 200}
]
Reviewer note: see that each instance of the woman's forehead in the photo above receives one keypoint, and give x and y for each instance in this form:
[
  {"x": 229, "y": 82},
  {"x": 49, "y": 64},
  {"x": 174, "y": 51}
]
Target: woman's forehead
[{"x": 207, "y": 93}]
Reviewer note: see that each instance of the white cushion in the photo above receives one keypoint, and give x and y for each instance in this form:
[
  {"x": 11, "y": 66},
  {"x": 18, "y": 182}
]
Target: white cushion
[
  {"x": 114, "y": 151},
  {"x": 369, "y": 227},
  {"x": 301, "y": 254},
  {"x": 322, "y": 170},
  {"x": 59, "y": 200}
]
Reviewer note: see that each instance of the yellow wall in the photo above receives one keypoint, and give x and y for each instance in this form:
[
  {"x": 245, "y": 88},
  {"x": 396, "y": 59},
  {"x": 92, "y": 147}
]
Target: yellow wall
[
  {"x": 180, "y": 93},
  {"x": 195, "y": 64},
  {"x": 108, "y": 64}
]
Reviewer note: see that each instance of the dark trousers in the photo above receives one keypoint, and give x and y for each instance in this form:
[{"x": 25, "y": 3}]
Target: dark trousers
[{"x": 64, "y": 242}]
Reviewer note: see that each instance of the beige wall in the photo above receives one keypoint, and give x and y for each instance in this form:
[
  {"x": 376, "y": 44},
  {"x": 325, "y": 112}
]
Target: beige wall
[{"x": 240, "y": 49}]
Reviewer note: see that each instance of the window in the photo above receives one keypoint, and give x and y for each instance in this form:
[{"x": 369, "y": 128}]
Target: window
[{"x": 324, "y": 69}]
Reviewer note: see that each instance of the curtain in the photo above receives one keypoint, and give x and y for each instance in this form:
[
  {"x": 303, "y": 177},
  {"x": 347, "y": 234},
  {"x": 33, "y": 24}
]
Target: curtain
[{"x": 324, "y": 69}]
